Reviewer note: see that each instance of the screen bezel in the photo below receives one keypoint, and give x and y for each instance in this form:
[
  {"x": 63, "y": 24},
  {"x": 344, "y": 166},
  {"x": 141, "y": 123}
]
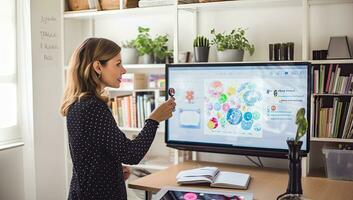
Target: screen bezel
[{"x": 238, "y": 150}]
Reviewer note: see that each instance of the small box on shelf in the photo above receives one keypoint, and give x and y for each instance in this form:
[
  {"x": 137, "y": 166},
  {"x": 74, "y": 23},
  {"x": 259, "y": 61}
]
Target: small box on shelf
[
  {"x": 115, "y": 4},
  {"x": 338, "y": 164},
  {"x": 82, "y": 5},
  {"x": 156, "y": 81},
  {"x": 133, "y": 81}
]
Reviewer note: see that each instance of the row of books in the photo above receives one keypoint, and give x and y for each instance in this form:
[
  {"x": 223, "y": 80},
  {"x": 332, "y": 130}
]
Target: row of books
[
  {"x": 334, "y": 121},
  {"x": 328, "y": 79},
  {"x": 131, "y": 111}
]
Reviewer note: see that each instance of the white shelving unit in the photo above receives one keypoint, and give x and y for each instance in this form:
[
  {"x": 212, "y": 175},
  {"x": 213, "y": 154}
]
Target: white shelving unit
[
  {"x": 318, "y": 143},
  {"x": 269, "y": 21},
  {"x": 93, "y": 14}
]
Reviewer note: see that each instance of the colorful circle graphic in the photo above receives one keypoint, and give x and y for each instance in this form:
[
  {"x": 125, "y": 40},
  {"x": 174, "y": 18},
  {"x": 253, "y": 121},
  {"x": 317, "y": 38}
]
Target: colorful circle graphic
[
  {"x": 223, "y": 98},
  {"x": 216, "y": 88},
  {"x": 217, "y": 106},
  {"x": 246, "y": 125},
  {"x": 225, "y": 107},
  {"x": 256, "y": 115},
  {"x": 248, "y": 116},
  {"x": 231, "y": 91},
  {"x": 212, "y": 123},
  {"x": 234, "y": 116},
  {"x": 223, "y": 122},
  {"x": 257, "y": 127},
  {"x": 210, "y": 106}
]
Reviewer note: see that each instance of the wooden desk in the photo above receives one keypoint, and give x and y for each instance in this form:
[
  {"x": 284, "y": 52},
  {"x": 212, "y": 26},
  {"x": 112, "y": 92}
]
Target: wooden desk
[{"x": 265, "y": 184}]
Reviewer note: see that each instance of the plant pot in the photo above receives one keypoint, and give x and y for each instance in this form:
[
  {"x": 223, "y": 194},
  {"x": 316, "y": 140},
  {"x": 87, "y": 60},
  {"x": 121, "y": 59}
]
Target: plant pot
[
  {"x": 146, "y": 59},
  {"x": 294, "y": 188},
  {"x": 230, "y": 55},
  {"x": 129, "y": 56},
  {"x": 159, "y": 60},
  {"x": 201, "y": 54}
]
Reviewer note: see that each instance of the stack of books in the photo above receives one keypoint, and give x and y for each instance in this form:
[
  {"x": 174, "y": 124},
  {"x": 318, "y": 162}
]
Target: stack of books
[{"x": 330, "y": 79}]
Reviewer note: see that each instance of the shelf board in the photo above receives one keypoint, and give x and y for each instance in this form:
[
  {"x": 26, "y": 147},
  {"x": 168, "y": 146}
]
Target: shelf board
[
  {"x": 315, "y": 139},
  {"x": 322, "y": 2},
  {"x": 88, "y": 14},
  {"x": 345, "y": 61},
  {"x": 153, "y": 164},
  {"x": 144, "y": 66},
  {"x": 332, "y": 95},
  {"x": 223, "y": 5}
]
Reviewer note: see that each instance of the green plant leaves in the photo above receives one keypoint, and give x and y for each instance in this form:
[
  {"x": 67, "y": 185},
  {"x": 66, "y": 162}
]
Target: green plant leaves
[
  {"x": 128, "y": 44},
  {"x": 160, "y": 48},
  {"x": 234, "y": 40},
  {"x": 302, "y": 124},
  {"x": 201, "y": 41},
  {"x": 144, "y": 44}
]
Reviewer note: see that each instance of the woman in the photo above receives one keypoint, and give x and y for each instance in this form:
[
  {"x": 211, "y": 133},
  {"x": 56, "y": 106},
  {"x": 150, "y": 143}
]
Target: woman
[{"x": 97, "y": 146}]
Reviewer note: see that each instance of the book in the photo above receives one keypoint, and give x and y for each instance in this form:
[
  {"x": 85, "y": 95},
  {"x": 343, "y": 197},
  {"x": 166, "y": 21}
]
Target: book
[
  {"x": 214, "y": 177},
  {"x": 327, "y": 88}
]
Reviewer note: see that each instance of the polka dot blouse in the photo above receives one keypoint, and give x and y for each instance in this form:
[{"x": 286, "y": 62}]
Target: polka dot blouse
[{"x": 98, "y": 148}]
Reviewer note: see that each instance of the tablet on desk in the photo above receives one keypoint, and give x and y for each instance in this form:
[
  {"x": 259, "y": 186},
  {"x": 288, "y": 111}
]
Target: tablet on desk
[{"x": 170, "y": 193}]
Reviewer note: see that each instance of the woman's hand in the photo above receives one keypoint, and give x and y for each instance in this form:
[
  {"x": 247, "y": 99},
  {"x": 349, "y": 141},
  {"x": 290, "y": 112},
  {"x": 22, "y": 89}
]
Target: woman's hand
[
  {"x": 126, "y": 172},
  {"x": 164, "y": 111}
]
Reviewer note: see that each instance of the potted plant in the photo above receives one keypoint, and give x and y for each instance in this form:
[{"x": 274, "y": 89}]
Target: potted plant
[
  {"x": 128, "y": 52},
  {"x": 231, "y": 47},
  {"x": 294, "y": 188},
  {"x": 201, "y": 49},
  {"x": 144, "y": 45},
  {"x": 160, "y": 49}
]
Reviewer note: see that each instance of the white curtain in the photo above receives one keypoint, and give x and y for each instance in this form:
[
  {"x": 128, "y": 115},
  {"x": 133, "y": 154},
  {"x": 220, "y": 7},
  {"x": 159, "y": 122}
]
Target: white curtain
[{"x": 25, "y": 94}]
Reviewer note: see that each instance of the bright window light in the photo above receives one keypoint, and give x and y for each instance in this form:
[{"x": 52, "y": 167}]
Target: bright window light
[
  {"x": 8, "y": 71},
  {"x": 8, "y": 105}
]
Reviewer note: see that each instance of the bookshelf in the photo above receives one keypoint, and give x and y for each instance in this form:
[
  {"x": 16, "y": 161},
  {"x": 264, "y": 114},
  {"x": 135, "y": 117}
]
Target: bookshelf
[
  {"x": 331, "y": 109},
  {"x": 311, "y": 24}
]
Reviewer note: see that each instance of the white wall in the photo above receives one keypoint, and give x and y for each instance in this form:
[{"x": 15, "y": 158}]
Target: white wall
[
  {"x": 11, "y": 174},
  {"x": 263, "y": 27},
  {"x": 48, "y": 126},
  {"x": 330, "y": 20}
]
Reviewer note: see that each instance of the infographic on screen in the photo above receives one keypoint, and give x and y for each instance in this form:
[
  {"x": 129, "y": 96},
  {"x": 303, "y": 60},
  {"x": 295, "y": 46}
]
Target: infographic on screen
[{"x": 250, "y": 106}]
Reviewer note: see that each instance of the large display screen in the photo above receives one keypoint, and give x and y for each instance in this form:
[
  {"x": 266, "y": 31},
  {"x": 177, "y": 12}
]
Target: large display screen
[{"x": 245, "y": 108}]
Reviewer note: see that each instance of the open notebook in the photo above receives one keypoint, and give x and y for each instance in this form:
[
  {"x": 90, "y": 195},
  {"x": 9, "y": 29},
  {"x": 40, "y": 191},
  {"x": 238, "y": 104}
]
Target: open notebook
[{"x": 214, "y": 177}]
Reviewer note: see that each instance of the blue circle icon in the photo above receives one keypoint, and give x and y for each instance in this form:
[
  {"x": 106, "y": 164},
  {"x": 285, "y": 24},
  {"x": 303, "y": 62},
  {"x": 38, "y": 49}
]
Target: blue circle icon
[{"x": 234, "y": 116}]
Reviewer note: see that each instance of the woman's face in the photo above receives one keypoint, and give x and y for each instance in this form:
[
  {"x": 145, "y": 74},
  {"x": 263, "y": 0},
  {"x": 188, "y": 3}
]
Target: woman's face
[{"x": 112, "y": 72}]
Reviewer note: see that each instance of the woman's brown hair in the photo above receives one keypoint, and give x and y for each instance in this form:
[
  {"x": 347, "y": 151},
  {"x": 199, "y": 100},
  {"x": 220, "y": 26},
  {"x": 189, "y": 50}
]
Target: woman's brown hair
[{"x": 82, "y": 79}]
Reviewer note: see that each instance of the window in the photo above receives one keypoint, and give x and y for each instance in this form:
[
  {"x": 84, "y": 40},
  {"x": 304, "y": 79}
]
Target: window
[{"x": 8, "y": 72}]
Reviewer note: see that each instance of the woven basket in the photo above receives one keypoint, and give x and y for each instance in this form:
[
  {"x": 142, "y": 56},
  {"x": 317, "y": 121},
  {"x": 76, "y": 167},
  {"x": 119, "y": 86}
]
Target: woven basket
[
  {"x": 115, "y": 4},
  {"x": 75, "y": 5},
  {"x": 206, "y": 1}
]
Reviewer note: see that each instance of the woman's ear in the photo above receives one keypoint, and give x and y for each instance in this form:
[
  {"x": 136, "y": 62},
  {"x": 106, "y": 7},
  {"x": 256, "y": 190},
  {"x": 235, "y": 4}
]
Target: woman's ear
[{"x": 97, "y": 67}]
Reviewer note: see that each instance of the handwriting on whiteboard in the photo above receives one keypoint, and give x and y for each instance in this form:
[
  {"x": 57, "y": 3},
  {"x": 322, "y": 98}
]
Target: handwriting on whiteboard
[{"x": 49, "y": 42}]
